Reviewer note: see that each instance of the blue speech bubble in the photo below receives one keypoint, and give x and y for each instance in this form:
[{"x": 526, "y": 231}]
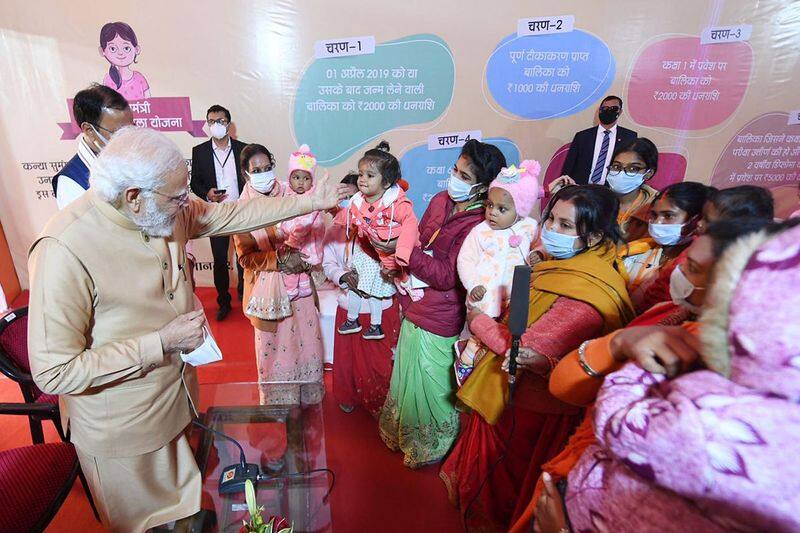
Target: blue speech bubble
[
  {"x": 426, "y": 171},
  {"x": 549, "y": 76},
  {"x": 343, "y": 102}
]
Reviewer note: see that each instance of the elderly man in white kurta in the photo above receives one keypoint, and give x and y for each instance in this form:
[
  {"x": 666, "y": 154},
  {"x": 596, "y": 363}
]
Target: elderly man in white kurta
[{"x": 111, "y": 309}]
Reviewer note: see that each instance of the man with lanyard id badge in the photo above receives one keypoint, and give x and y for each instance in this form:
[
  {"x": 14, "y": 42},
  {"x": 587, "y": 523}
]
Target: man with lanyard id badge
[{"x": 217, "y": 177}]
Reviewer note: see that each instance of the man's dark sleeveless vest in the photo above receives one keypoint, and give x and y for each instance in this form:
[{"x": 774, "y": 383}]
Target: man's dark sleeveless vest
[{"x": 75, "y": 169}]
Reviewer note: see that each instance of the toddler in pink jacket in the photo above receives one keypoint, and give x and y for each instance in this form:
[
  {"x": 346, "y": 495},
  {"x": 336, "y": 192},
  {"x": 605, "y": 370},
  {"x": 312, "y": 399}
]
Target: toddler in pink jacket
[{"x": 380, "y": 211}]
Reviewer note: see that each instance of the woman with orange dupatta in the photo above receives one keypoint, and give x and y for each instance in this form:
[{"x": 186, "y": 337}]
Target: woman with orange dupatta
[
  {"x": 673, "y": 217},
  {"x": 633, "y": 164},
  {"x": 578, "y": 295},
  {"x": 662, "y": 340}
]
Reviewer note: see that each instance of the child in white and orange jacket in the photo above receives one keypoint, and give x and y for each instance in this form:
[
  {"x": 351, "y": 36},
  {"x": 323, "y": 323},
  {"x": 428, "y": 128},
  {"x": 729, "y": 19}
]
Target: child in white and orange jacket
[
  {"x": 380, "y": 211},
  {"x": 494, "y": 247}
]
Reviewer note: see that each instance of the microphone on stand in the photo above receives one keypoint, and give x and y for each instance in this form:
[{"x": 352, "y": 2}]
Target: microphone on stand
[{"x": 518, "y": 317}]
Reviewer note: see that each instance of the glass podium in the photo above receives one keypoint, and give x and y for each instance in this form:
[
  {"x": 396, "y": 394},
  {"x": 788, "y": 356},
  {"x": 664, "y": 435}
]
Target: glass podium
[{"x": 280, "y": 428}]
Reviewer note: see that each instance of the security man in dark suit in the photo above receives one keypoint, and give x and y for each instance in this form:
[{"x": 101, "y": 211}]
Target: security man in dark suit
[
  {"x": 591, "y": 150},
  {"x": 217, "y": 177}
]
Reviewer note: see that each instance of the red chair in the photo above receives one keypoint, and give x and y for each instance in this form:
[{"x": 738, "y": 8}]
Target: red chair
[
  {"x": 34, "y": 481},
  {"x": 14, "y": 364},
  {"x": 38, "y": 406}
]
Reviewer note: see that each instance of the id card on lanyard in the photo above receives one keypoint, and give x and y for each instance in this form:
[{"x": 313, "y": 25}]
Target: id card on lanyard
[{"x": 227, "y": 156}]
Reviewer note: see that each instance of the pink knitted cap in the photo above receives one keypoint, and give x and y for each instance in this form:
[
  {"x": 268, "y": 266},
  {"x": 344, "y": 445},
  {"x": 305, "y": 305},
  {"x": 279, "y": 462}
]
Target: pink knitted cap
[
  {"x": 303, "y": 159},
  {"x": 522, "y": 183}
]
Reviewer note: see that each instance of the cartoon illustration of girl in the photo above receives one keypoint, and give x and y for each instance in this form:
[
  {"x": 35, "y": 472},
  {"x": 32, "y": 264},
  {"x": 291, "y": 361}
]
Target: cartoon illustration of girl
[{"x": 119, "y": 45}]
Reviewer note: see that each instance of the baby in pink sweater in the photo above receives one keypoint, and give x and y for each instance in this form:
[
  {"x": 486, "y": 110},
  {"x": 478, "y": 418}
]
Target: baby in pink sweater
[{"x": 304, "y": 233}]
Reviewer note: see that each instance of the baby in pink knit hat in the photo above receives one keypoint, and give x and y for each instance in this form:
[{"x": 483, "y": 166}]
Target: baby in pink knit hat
[
  {"x": 304, "y": 233},
  {"x": 494, "y": 247}
]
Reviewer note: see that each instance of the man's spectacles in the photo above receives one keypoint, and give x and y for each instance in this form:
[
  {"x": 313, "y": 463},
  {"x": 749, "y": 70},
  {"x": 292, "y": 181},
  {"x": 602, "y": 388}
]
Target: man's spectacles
[
  {"x": 211, "y": 121},
  {"x": 181, "y": 198},
  {"x": 630, "y": 170},
  {"x": 102, "y": 128},
  {"x": 609, "y": 108}
]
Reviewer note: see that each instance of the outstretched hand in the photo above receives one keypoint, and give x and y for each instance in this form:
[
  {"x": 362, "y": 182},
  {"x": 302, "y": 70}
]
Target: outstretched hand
[
  {"x": 328, "y": 192},
  {"x": 295, "y": 263},
  {"x": 350, "y": 279},
  {"x": 383, "y": 246},
  {"x": 528, "y": 359}
]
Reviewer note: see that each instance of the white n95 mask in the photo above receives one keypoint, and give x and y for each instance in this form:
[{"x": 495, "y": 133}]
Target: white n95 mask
[
  {"x": 208, "y": 352},
  {"x": 218, "y": 131}
]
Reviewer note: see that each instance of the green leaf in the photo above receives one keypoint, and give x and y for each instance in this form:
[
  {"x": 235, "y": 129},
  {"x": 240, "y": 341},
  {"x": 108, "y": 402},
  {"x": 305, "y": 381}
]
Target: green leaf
[{"x": 250, "y": 496}]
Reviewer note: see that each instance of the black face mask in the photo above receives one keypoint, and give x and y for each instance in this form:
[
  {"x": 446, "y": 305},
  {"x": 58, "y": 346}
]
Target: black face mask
[{"x": 609, "y": 114}]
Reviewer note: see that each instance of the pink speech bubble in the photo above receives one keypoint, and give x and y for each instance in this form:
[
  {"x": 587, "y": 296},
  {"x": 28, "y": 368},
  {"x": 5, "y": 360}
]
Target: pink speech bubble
[
  {"x": 679, "y": 83},
  {"x": 766, "y": 153}
]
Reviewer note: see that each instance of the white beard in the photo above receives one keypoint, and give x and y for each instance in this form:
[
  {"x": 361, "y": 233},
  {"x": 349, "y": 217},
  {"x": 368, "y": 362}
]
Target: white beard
[{"x": 153, "y": 222}]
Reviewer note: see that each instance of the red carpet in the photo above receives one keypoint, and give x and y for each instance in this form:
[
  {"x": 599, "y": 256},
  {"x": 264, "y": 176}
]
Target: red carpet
[
  {"x": 374, "y": 491},
  {"x": 234, "y": 335}
]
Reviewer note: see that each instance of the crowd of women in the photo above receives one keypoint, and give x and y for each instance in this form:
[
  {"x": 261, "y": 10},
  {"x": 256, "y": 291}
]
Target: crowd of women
[{"x": 659, "y": 375}]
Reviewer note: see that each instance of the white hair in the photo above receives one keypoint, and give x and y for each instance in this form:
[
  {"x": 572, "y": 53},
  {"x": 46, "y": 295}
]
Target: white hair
[{"x": 134, "y": 158}]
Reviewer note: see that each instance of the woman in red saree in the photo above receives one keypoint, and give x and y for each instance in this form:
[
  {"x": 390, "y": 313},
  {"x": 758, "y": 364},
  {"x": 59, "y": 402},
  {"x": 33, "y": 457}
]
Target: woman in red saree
[
  {"x": 578, "y": 295},
  {"x": 667, "y": 329}
]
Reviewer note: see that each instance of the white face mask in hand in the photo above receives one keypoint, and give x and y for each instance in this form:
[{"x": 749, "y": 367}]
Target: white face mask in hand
[{"x": 208, "y": 352}]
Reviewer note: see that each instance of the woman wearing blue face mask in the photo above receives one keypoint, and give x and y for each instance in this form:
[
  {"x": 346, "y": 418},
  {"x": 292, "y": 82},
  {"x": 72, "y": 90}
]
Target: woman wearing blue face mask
[
  {"x": 419, "y": 417},
  {"x": 288, "y": 341},
  {"x": 577, "y": 293},
  {"x": 673, "y": 220},
  {"x": 633, "y": 164}
]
